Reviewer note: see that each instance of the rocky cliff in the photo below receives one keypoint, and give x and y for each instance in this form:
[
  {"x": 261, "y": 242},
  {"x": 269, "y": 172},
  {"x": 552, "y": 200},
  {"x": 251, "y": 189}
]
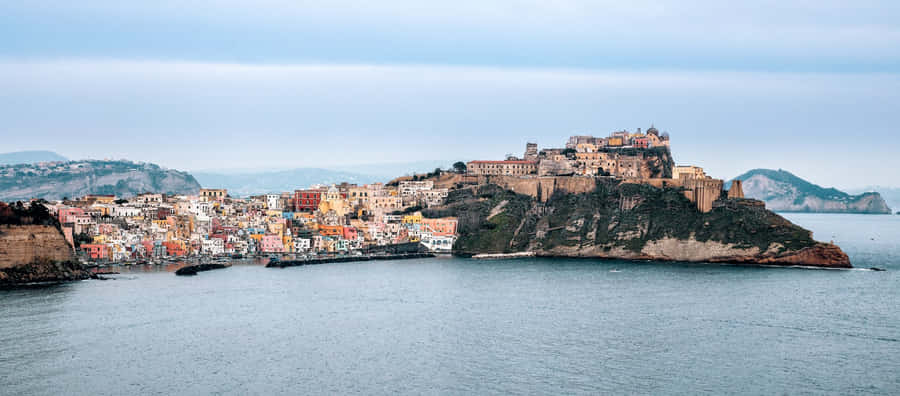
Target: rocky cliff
[
  {"x": 78, "y": 178},
  {"x": 785, "y": 192},
  {"x": 629, "y": 221},
  {"x": 32, "y": 248},
  {"x": 35, "y": 254}
]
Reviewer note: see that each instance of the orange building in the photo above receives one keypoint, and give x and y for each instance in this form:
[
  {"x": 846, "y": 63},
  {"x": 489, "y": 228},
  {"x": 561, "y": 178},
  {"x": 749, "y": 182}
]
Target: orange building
[
  {"x": 326, "y": 230},
  {"x": 440, "y": 227},
  {"x": 96, "y": 251}
]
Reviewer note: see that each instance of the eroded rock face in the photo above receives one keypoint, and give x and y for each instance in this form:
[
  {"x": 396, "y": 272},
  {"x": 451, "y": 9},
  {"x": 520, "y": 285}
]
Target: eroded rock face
[
  {"x": 36, "y": 253},
  {"x": 630, "y": 221}
]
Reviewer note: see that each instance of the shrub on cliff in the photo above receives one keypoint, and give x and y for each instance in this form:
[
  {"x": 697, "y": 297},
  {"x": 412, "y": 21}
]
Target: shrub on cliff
[{"x": 19, "y": 214}]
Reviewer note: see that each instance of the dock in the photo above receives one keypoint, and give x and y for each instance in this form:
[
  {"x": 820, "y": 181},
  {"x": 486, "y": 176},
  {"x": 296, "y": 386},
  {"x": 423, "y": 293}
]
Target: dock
[{"x": 194, "y": 269}]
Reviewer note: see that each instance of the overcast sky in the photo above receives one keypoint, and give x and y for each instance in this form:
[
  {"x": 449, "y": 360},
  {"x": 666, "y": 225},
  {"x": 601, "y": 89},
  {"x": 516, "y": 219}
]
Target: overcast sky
[{"x": 809, "y": 86}]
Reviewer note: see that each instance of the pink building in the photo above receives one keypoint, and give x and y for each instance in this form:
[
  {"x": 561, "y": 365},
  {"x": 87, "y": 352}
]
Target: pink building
[
  {"x": 67, "y": 215},
  {"x": 271, "y": 244},
  {"x": 350, "y": 233}
]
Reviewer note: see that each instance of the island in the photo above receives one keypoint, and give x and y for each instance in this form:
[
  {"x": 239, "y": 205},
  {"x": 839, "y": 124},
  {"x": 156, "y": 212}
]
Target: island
[
  {"x": 620, "y": 196},
  {"x": 783, "y": 191}
]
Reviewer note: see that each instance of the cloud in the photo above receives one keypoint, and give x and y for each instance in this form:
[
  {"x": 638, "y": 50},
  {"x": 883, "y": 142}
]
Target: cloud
[{"x": 765, "y": 35}]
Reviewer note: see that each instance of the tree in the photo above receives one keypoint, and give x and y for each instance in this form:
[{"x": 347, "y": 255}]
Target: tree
[
  {"x": 569, "y": 152},
  {"x": 460, "y": 167}
]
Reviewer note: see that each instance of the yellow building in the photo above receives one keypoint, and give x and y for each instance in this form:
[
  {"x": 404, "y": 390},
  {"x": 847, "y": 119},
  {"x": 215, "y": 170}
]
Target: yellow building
[
  {"x": 585, "y": 148},
  {"x": 213, "y": 194},
  {"x": 688, "y": 171},
  {"x": 288, "y": 243},
  {"x": 102, "y": 199},
  {"x": 332, "y": 200},
  {"x": 276, "y": 228},
  {"x": 412, "y": 219}
]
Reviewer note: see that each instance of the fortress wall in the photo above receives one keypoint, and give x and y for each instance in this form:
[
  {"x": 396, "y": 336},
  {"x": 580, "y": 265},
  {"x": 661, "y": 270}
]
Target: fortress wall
[{"x": 542, "y": 188}]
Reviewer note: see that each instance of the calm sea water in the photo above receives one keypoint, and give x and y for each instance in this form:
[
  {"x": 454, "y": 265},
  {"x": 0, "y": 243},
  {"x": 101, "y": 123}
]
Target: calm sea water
[{"x": 455, "y": 326}]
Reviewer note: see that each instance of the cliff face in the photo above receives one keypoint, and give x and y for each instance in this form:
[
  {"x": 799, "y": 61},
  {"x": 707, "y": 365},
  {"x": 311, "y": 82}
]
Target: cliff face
[
  {"x": 79, "y": 178},
  {"x": 36, "y": 253},
  {"x": 630, "y": 221},
  {"x": 783, "y": 191}
]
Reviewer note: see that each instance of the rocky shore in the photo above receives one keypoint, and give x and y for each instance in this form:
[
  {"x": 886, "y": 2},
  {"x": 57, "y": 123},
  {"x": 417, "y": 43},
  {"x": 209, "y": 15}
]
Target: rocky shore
[{"x": 629, "y": 221}]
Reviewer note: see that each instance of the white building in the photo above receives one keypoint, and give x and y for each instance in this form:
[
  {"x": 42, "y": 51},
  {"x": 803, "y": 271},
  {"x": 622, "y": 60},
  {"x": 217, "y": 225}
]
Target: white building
[
  {"x": 302, "y": 244},
  {"x": 410, "y": 188},
  {"x": 273, "y": 201},
  {"x": 212, "y": 246}
]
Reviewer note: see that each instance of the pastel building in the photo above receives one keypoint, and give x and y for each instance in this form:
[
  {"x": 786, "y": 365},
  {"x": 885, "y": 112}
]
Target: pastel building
[{"x": 271, "y": 244}]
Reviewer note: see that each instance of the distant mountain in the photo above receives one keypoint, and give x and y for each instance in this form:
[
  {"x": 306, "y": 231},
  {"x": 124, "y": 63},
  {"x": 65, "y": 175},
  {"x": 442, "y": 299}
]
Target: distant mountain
[
  {"x": 391, "y": 170},
  {"x": 79, "y": 178},
  {"x": 890, "y": 194},
  {"x": 784, "y": 191},
  {"x": 30, "y": 157},
  {"x": 253, "y": 183}
]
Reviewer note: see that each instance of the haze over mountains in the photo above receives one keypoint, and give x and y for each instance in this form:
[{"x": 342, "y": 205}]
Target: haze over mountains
[
  {"x": 29, "y": 157},
  {"x": 251, "y": 182}
]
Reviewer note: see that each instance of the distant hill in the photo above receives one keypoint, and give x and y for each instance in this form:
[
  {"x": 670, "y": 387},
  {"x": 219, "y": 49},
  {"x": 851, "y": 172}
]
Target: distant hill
[
  {"x": 891, "y": 195},
  {"x": 248, "y": 182},
  {"x": 390, "y": 170},
  {"x": 30, "y": 157},
  {"x": 252, "y": 183},
  {"x": 784, "y": 191},
  {"x": 79, "y": 178}
]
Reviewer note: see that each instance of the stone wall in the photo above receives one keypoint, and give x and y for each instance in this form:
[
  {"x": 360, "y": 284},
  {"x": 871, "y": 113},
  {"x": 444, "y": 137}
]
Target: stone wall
[
  {"x": 736, "y": 190},
  {"x": 20, "y": 245},
  {"x": 703, "y": 192}
]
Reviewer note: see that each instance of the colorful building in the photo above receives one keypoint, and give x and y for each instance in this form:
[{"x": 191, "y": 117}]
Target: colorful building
[{"x": 307, "y": 200}]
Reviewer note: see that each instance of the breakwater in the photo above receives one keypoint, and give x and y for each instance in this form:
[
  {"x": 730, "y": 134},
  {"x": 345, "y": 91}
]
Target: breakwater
[
  {"x": 345, "y": 259},
  {"x": 194, "y": 269}
]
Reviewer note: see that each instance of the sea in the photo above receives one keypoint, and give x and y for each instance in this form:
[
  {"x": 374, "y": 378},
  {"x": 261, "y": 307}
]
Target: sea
[{"x": 462, "y": 326}]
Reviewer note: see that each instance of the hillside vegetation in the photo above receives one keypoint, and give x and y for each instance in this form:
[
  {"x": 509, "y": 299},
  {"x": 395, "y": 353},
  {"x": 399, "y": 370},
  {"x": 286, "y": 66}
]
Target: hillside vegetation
[
  {"x": 78, "y": 178},
  {"x": 631, "y": 221}
]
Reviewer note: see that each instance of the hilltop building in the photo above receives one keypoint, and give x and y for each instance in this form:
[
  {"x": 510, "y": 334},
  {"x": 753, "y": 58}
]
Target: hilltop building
[
  {"x": 505, "y": 168},
  {"x": 213, "y": 194}
]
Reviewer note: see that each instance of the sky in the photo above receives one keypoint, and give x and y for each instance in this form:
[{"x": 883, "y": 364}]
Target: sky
[{"x": 808, "y": 86}]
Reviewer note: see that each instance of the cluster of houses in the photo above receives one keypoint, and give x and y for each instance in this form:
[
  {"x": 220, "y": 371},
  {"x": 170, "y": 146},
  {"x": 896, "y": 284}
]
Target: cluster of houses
[{"x": 334, "y": 219}]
